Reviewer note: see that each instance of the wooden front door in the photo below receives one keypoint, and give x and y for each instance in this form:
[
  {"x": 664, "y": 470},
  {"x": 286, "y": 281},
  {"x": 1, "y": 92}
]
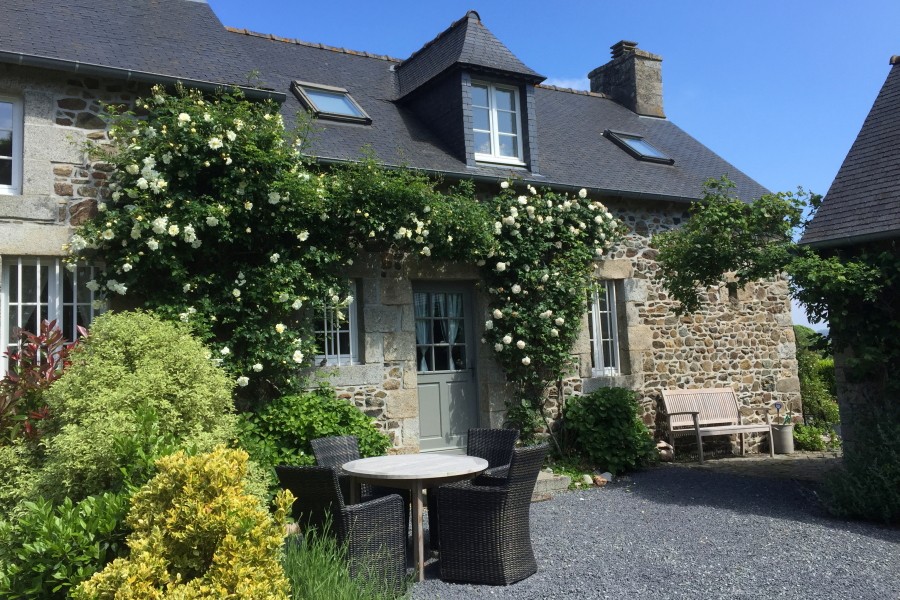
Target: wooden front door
[{"x": 445, "y": 361}]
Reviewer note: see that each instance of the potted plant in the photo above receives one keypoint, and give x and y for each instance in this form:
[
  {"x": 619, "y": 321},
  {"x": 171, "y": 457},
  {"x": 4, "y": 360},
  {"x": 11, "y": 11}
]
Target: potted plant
[{"x": 782, "y": 432}]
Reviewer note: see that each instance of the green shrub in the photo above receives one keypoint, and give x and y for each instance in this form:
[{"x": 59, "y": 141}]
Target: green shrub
[
  {"x": 607, "y": 430},
  {"x": 816, "y": 374},
  {"x": 48, "y": 550},
  {"x": 280, "y": 433},
  {"x": 134, "y": 376},
  {"x": 17, "y": 475},
  {"x": 809, "y": 437},
  {"x": 316, "y": 567},
  {"x": 197, "y": 534},
  {"x": 868, "y": 484}
]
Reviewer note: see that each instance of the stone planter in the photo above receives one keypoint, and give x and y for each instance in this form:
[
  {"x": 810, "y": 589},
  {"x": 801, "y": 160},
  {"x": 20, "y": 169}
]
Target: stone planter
[{"x": 783, "y": 438}]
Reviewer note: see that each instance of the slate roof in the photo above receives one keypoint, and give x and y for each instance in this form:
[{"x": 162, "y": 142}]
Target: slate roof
[
  {"x": 183, "y": 38},
  {"x": 174, "y": 38},
  {"x": 570, "y": 124},
  {"x": 465, "y": 43},
  {"x": 863, "y": 202}
]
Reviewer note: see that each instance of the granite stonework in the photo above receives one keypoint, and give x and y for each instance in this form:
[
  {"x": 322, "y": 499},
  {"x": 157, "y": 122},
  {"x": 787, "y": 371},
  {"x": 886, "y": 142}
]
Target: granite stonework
[
  {"x": 60, "y": 184},
  {"x": 742, "y": 337}
]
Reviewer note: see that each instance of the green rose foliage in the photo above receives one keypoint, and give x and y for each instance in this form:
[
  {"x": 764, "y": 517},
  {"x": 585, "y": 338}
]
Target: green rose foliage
[
  {"x": 197, "y": 534},
  {"x": 280, "y": 433},
  {"x": 724, "y": 234},
  {"x": 538, "y": 282},
  {"x": 215, "y": 219},
  {"x": 137, "y": 387}
]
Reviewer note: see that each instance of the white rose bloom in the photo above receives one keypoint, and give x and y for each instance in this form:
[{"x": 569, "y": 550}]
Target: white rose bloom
[
  {"x": 498, "y": 347},
  {"x": 298, "y": 356},
  {"x": 507, "y": 339},
  {"x": 215, "y": 143},
  {"x": 132, "y": 169},
  {"x": 225, "y": 351},
  {"x": 174, "y": 229},
  {"x": 230, "y": 135},
  {"x": 546, "y": 314},
  {"x": 212, "y": 221},
  {"x": 520, "y": 345},
  {"x": 582, "y": 193},
  {"x": 516, "y": 288},
  {"x": 108, "y": 234},
  {"x": 274, "y": 258},
  {"x": 526, "y": 361},
  {"x": 303, "y": 236},
  {"x": 559, "y": 321},
  {"x": 186, "y": 288},
  {"x": 523, "y": 200},
  {"x": 498, "y": 314},
  {"x": 184, "y": 118},
  {"x": 297, "y": 304},
  {"x": 545, "y": 277},
  {"x": 142, "y": 183},
  {"x": 159, "y": 224},
  {"x": 504, "y": 185},
  {"x": 126, "y": 267},
  {"x": 101, "y": 206},
  {"x": 243, "y": 381},
  {"x": 280, "y": 328},
  {"x": 488, "y": 325},
  {"x": 274, "y": 197},
  {"x": 92, "y": 285},
  {"x": 236, "y": 293},
  {"x": 248, "y": 205},
  {"x": 152, "y": 244},
  {"x": 257, "y": 367},
  {"x": 136, "y": 232},
  {"x": 554, "y": 333},
  {"x": 501, "y": 266}
]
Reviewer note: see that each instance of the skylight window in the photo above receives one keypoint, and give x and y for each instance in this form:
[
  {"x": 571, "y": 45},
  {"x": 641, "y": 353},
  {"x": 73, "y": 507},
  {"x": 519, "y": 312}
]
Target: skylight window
[
  {"x": 327, "y": 102},
  {"x": 638, "y": 147}
]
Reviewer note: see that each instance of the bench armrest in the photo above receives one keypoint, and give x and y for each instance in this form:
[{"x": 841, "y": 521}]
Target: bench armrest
[{"x": 684, "y": 412}]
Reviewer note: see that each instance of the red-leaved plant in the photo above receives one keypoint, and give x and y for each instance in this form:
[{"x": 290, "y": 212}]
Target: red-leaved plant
[{"x": 40, "y": 360}]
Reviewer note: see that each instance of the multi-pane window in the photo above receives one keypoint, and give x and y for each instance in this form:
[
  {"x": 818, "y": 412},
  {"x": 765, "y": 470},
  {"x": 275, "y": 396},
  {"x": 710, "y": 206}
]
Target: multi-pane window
[
  {"x": 336, "y": 334},
  {"x": 604, "y": 329},
  {"x": 440, "y": 331},
  {"x": 37, "y": 289},
  {"x": 496, "y": 123},
  {"x": 10, "y": 146}
]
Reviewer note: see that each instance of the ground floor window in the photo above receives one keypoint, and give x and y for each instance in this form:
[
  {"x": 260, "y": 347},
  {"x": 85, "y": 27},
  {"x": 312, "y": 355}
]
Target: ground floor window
[
  {"x": 34, "y": 289},
  {"x": 604, "y": 330},
  {"x": 337, "y": 334}
]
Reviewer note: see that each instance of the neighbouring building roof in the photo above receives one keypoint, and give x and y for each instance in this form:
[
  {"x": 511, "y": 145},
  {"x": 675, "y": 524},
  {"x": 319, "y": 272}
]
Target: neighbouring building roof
[
  {"x": 863, "y": 203},
  {"x": 184, "y": 39}
]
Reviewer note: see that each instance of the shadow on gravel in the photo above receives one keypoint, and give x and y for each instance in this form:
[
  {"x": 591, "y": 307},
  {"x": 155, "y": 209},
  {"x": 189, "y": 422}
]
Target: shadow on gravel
[{"x": 768, "y": 497}]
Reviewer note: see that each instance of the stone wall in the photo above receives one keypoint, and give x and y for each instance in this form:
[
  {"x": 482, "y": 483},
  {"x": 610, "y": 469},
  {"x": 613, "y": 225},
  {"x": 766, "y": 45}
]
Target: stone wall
[{"x": 59, "y": 184}]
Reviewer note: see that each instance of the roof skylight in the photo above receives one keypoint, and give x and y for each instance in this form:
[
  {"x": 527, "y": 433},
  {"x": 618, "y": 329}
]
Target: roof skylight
[
  {"x": 328, "y": 102},
  {"x": 638, "y": 147}
]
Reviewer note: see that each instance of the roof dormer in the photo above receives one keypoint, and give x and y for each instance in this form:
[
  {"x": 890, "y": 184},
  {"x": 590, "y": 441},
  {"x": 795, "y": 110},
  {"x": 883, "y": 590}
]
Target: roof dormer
[{"x": 472, "y": 90}]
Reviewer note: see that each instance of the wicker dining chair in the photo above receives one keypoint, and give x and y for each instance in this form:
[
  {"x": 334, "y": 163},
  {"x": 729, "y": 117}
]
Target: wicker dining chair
[
  {"x": 493, "y": 445},
  {"x": 485, "y": 529},
  {"x": 336, "y": 450},
  {"x": 373, "y": 532}
]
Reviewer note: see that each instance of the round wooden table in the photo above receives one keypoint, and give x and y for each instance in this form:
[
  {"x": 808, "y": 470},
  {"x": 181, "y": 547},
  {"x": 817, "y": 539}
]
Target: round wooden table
[{"x": 415, "y": 472}]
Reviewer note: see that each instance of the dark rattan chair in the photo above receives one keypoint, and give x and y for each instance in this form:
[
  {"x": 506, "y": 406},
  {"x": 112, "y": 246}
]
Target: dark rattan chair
[
  {"x": 335, "y": 451},
  {"x": 485, "y": 529},
  {"x": 373, "y": 532},
  {"x": 493, "y": 445}
]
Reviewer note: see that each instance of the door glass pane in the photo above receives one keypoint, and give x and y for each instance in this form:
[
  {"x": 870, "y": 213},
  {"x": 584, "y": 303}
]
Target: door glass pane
[
  {"x": 481, "y": 118},
  {"x": 6, "y": 115},
  {"x": 508, "y": 145},
  {"x": 482, "y": 142},
  {"x": 506, "y": 122},
  {"x": 68, "y": 327},
  {"x": 68, "y": 287},
  {"x": 442, "y": 359},
  {"x": 459, "y": 357},
  {"x": 45, "y": 274},
  {"x": 5, "y": 142},
  {"x": 12, "y": 323},
  {"x": 5, "y": 171},
  {"x": 479, "y": 96},
  {"x": 29, "y": 284},
  {"x": 505, "y": 99},
  {"x": 29, "y": 317}
]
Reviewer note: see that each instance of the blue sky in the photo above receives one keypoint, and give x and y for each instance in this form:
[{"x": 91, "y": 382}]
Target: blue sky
[{"x": 778, "y": 88}]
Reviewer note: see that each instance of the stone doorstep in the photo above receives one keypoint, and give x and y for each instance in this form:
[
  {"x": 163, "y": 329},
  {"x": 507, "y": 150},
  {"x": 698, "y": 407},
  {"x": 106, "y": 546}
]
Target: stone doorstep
[{"x": 548, "y": 485}]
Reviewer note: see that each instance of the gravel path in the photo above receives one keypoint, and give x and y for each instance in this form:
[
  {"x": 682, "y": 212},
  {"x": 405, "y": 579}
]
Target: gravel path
[{"x": 675, "y": 533}]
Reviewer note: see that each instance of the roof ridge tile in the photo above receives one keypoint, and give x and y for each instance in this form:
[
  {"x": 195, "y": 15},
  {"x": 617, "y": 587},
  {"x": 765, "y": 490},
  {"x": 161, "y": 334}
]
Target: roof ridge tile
[{"x": 319, "y": 45}]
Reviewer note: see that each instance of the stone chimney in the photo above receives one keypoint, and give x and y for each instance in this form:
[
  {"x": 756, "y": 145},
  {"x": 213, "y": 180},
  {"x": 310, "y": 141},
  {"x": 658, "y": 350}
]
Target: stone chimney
[{"x": 633, "y": 78}]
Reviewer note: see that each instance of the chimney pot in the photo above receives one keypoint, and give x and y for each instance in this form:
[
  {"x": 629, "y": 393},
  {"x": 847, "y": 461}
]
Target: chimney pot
[
  {"x": 622, "y": 48},
  {"x": 895, "y": 60}
]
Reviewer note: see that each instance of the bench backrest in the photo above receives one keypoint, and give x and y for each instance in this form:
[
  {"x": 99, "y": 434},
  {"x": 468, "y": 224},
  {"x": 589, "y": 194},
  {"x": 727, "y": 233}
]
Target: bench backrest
[{"x": 717, "y": 406}]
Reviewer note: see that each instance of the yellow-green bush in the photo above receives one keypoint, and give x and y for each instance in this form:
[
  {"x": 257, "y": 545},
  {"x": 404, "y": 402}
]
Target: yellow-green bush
[
  {"x": 196, "y": 533},
  {"x": 133, "y": 375}
]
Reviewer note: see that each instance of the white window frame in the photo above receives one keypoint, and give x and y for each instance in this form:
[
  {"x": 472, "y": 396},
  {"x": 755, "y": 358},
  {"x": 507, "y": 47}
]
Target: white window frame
[
  {"x": 600, "y": 320},
  {"x": 494, "y": 132},
  {"x": 18, "y": 131},
  {"x": 329, "y": 326},
  {"x": 53, "y": 308}
]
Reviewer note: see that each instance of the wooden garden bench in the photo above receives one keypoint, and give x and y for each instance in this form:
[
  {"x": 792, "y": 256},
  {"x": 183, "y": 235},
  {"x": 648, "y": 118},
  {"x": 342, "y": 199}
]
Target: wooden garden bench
[{"x": 709, "y": 411}]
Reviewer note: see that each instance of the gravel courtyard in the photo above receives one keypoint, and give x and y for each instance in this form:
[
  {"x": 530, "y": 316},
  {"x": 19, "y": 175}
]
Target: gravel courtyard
[{"x": 678, "y": 533}]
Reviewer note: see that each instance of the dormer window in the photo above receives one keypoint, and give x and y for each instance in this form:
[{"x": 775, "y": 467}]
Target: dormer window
[
  {"x": 496, "y": 123},
  {"x": 638, "y": 147},
  {"x": 328, "y": 102}
]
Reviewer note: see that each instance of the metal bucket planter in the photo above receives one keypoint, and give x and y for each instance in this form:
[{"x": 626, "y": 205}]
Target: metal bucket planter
[{"x": 783, "y": 438}]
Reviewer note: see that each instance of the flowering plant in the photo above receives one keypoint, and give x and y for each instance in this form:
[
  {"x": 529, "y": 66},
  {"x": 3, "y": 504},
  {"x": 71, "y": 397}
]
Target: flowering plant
[{"x": 538, "y": 280}]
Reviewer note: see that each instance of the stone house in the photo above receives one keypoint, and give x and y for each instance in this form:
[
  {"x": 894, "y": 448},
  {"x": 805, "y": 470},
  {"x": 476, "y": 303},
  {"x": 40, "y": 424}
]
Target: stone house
[
  {"x": 462, "y": 107},
  {"x": 861, "y": 212}
]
